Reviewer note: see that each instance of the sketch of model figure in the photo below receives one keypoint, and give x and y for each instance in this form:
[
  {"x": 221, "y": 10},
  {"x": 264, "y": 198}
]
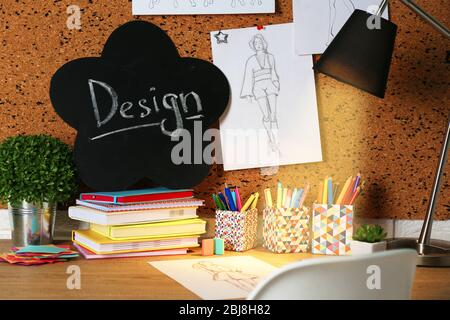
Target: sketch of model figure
[
  {"x": 261, "y": 82},
  {"x": 335, "y": 6},
  {"x": 176, "y": 4},
  {"x": 235, "y": 277}
]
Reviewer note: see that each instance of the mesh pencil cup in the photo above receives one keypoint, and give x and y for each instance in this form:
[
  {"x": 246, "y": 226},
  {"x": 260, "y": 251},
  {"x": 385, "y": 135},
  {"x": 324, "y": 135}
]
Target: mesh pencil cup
[
  {"x": 286, "y": 230},
  {"x": 237, "y": 229},
  {"x": 332, "y": 229}
]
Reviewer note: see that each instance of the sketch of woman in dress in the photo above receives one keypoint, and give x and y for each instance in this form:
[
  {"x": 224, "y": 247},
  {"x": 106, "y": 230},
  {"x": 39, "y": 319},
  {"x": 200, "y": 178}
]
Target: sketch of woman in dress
[
  {"x": 261, "y": 82},
  {"x": 235, "y": 277},
  {"x": 337, "y": 6}
]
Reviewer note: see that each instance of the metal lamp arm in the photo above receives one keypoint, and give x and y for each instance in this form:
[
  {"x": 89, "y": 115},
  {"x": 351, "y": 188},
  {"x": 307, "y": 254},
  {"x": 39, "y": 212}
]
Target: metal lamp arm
[{"x": 423, "y": 14}]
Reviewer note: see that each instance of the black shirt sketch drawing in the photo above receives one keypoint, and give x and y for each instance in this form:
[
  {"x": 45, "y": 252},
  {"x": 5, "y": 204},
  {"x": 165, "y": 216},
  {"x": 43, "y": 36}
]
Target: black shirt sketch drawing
[{"x": 261, "y": 83}]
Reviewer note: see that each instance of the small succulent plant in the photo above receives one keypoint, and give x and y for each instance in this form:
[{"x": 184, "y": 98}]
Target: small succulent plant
[{"x": 370, "y": 233}]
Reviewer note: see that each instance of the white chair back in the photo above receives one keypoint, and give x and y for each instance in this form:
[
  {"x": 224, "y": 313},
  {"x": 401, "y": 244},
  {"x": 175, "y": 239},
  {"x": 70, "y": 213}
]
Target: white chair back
[{"x": 383, "y": 275}]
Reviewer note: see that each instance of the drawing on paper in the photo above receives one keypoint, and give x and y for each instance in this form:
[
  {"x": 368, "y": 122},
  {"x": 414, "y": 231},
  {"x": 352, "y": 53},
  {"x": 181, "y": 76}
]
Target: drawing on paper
[
  {"x": 337, "y": 6},
  {"x": 262, "y": 84},
  {"x": 233, "y": 276},
  {"x": 206, "y": 3}
]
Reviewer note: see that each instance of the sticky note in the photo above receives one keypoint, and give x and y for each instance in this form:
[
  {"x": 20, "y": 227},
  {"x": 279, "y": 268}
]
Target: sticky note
[
  {"x": 207, "y": 247},
  {"x": 41, "y": 249},
  {"x": 219, "y": 246}
]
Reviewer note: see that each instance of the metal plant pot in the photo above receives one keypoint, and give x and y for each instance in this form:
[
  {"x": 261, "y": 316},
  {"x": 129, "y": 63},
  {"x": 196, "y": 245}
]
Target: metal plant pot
[{"x": 32, "y": 224}]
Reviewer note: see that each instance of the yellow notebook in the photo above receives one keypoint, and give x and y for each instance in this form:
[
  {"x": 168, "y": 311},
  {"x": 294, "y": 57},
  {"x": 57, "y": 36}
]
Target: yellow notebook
[
  {"x": 100, "y": 244},
  {"x": 152, "y": 230}
]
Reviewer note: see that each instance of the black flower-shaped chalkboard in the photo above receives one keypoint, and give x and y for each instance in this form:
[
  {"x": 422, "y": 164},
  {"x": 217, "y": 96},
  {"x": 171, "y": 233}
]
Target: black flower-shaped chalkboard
[{"x": 130, "y": 104}]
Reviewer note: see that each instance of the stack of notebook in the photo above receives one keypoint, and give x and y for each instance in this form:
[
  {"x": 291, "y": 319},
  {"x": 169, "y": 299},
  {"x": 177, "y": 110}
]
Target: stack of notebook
[{"x": 137, "y": 223}]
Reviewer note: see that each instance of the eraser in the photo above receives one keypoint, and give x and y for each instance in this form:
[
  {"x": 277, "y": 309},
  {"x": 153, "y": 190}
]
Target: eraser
[
  {"x": 207, "y": 247},
  {"x": 219, "y": 246}
]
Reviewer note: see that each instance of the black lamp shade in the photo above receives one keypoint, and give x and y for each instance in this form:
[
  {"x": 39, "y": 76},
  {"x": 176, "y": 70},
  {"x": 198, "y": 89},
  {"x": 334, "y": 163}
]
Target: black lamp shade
[{"x": 360, "y": 56}]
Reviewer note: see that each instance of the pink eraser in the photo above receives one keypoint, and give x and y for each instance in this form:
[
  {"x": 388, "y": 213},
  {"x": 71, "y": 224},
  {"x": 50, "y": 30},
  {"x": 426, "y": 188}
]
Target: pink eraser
[{"x": 207, "y": 247}]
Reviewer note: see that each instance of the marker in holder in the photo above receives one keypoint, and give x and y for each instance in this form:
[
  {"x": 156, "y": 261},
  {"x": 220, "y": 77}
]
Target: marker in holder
[
  {"x": 332, "y": 229},
  {"x": 237, "y": 229},
  {"x": 286, "y": 230}
]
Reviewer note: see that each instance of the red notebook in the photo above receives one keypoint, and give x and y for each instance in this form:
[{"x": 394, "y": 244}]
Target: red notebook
[{"x": 137, "y": 196}]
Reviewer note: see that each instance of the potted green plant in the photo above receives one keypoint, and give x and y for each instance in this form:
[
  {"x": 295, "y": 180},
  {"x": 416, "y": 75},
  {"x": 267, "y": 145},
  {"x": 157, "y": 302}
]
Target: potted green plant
[
  {"x": 368, "y": 239},
  {"x": 36, "y": 173}
]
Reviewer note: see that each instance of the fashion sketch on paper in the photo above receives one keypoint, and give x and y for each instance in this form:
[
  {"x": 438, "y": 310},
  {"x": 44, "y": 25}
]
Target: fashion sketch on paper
[
  {"x": 176, "y": 4},
  {"x": 262, "y": 84},
  {"x": 233, "y": 276},
  {"x": 337, "y": 6},
  {"x": 206, "y": 3}
]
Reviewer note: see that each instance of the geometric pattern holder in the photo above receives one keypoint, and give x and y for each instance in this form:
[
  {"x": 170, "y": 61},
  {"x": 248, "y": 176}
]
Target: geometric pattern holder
[
  {"x": 286, "y": 230},
  {"x": 237, "y": 229},
  {"x": 332, "y": 229}
]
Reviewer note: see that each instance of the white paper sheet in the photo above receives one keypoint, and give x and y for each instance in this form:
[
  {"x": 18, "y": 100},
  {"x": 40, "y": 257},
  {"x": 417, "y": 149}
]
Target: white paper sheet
[
  {"x": 318, "y": 21},
  {"x": 217, "y": 278},
  {"x": 179, "y": 7},
  {"x": 272, "y": 119}
]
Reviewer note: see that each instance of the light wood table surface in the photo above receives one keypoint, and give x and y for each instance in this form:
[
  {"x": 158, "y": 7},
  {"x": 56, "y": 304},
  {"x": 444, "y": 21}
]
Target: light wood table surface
[{"x": 134, "y": 278}]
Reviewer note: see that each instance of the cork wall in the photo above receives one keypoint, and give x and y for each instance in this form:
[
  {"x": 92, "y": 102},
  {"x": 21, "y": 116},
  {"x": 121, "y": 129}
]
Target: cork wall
[{"x": 394, "y": 142}]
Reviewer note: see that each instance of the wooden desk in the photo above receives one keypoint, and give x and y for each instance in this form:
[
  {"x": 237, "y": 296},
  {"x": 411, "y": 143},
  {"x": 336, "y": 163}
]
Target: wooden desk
[{"x": 134, "y": 278}]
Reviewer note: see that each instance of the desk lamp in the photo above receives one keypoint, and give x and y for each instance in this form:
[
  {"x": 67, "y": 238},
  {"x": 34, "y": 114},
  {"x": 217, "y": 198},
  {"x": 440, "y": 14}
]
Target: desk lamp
[{"x": 360, "y": 55}]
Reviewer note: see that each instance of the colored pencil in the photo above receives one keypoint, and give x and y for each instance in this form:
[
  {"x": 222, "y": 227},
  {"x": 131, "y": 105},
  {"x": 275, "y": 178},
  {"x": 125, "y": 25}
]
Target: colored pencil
[
  {"x": 238, "y": 199},
  {"x": 248, "y": 203},
  {"x": 293, "y": 198},
  {"x": 279, "y": 194},
  {"x": 305, "y": 193},
  {"x": 349, "y": 193},
  {"x": 223, "y": 200},
  {"x": 330, "y": 191},
  {"x": 319, "y": 196},
  {"x": 325, "y": 190},
  {"x": 344, "y": 190},
  {"x": 255, "y": 201},
  {"x": 352, "y": 200},
  {"x": 335, "y": 192},
  {"x": 268, "y": 195},
  {"x": 287, "y": 201}
]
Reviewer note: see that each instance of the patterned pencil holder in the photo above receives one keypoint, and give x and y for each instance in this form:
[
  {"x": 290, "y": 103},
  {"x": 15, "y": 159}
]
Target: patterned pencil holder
[
  {"x": 286, "y": 230},
  {"x": 237, "y": 229},
  {"x": 332, "y": 229}
]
